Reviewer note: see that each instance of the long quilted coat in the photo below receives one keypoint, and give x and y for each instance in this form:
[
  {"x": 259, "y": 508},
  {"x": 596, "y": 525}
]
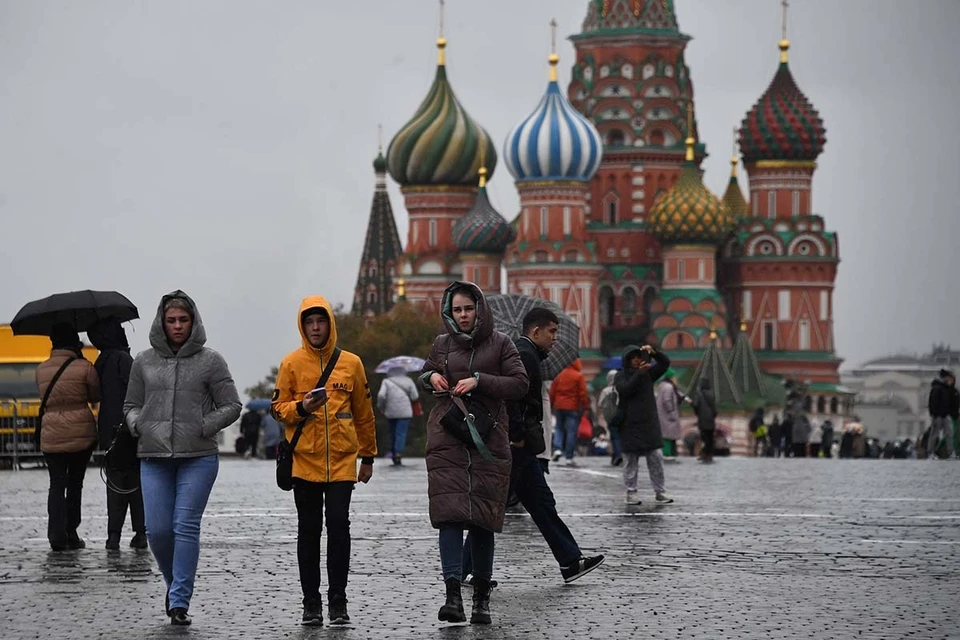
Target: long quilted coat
[{"x": 463, "y": 487}]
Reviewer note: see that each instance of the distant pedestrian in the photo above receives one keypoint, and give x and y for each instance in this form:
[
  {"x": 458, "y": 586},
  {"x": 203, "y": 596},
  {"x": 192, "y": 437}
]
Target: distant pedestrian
[
  {"x": 669, "y": 399},
  {"x": 607, "y": 405},
  {"x": 944, "y": 406},
  {"x": 272, "y": 434},
  {"x": 800, "y": 434},
  {"x": 754, "y": 426},
  {"x": 640, "y": 425},
  {"x": 121, "y": 464},
  {"x": 250, "y": 428},
  {"x": 776, "y": 437},
  {"x": 180, "y": 396},
  {"x": 569, "y": 399},
  {"x": 826, "y": 445},
  {"x": 705, "y": 406},
  {"x": 68, "y": 385},
  {"x": 815, "y": 439},
  {"x": 395, "y": 401}
]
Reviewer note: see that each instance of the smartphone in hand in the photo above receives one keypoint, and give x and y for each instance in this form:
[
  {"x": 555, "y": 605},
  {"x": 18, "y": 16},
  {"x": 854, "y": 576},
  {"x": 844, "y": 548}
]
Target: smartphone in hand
[{"x": 320, "y": 393}]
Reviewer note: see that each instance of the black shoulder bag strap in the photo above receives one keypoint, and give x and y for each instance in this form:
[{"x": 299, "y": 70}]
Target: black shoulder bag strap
[{"x": 323, "y": 380}]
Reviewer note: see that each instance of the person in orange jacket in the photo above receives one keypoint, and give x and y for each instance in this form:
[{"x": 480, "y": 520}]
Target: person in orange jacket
[
  {"x": 339, "y": 427},
  {"x": 569, "y": 399}
]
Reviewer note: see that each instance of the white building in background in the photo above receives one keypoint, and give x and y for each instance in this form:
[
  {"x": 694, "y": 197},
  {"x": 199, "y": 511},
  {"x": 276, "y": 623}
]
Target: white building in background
[{"x": 892, "y": 392}]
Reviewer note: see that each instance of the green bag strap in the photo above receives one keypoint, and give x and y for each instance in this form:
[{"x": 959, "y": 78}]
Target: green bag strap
[{"x": 474, "y": 435}]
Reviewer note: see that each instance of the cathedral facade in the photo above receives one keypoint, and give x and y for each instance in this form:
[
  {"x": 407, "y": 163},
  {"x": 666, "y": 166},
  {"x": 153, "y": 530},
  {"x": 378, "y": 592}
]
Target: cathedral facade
[{"x": 615, "y": 224}]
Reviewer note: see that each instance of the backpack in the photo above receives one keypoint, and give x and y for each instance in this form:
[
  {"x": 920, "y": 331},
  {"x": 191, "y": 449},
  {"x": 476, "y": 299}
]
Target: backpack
[{"x": 609, "y": 403}]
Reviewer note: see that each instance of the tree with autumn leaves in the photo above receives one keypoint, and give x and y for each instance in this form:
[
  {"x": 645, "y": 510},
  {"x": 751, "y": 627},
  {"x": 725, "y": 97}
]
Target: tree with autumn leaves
[{"x": 402, "y": 332}]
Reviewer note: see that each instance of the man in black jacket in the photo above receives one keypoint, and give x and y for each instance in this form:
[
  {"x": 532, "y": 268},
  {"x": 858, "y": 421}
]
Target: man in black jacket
[
  {"x": 527, "y": 480},
  {"x": 944, "y": 405},
  {"x": 122, "y": 466}
]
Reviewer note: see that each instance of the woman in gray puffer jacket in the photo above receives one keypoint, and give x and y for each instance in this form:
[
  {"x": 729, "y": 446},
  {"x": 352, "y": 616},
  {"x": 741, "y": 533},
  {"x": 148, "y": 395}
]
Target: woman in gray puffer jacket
[{"x": 179, "y": 397}]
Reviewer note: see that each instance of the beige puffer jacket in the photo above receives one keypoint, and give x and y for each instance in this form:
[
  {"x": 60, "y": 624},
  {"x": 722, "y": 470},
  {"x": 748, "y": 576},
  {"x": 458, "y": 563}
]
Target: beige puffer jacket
[{"x": 68, "y": 424}]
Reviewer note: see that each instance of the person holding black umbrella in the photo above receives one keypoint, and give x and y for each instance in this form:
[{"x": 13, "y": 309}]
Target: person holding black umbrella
[
  {"x": 122, "y": 466},
  {"x": 68, "y": 385},
  {"x": 180, "y": 395}
]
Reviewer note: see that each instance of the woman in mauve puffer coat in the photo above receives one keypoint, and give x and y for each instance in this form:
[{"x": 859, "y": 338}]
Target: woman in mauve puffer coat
[{"x": 467, "y": 491}]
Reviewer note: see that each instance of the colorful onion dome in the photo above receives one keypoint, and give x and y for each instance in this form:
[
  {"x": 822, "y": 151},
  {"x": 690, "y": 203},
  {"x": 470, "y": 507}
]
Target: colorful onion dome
[
  {"x": 441, "y": 144},
  {"x": 555, "y": 142},
  {"x": 733, "y": 200},
  {"x": 688, "y": 212},
  {"x": 783, "y": 124},
  {"x": 483, "y": 229}
]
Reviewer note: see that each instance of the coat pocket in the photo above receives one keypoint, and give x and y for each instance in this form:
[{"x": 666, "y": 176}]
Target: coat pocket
[{"x": 343, "y": 434}]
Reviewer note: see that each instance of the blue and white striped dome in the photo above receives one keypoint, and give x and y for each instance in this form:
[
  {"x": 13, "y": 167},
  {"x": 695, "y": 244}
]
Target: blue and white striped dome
[{"x": 555, "y": 142}]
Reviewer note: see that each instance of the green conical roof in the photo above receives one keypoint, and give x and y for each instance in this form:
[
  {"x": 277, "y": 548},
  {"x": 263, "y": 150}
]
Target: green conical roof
[
  {"x": 713, "y": 367},
  {"x": 745, "y": 367}
]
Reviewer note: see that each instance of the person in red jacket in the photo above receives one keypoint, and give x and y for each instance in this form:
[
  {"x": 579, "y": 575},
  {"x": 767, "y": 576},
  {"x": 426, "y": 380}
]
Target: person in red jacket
[{"x": 569, "y": 399}]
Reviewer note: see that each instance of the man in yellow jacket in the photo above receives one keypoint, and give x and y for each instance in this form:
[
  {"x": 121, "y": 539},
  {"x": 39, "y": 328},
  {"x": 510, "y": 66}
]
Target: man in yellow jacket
[{"x": 339, "y": 427}]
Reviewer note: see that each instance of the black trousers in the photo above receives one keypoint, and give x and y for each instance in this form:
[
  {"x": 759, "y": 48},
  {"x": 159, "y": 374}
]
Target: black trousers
[
  {"x": 66, "y": 486},
  {"x": 117, "y": 503},
  {"x": 310, "y": 498},
  {"x": 799, "y": 450},
  {"x": 707, "y": 436}
]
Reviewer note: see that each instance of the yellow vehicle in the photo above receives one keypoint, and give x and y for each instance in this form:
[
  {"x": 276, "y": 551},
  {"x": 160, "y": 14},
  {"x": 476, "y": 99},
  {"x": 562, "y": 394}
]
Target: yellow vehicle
[{"x": 19, "y": 396}]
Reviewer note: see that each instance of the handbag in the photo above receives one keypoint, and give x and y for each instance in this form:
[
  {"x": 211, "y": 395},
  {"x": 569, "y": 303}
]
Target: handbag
[
  {"x": 46, "y": 396},
  {"x": 471, "y": 429},
  {"x": 285, "y": 449}
]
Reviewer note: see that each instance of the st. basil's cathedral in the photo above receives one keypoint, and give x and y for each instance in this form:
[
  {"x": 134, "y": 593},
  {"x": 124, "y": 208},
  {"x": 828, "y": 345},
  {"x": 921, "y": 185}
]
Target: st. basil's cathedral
[{"x": 615, "y": 224}]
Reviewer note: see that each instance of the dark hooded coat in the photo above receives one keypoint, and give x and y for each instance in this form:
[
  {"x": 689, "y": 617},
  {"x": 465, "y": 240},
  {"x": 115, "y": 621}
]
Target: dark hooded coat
[
  {"x": 705, "y": 406},
  {"x": 637, "y": 409},
  {"x": 463, "y": 487},
  {"x": 113, "y": 368}
]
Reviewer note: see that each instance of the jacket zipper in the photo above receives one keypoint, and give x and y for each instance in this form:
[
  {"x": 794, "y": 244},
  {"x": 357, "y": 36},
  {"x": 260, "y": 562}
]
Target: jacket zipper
[
  {"x": 173, "y": 421},
  {"x": 326, "y": 423}
]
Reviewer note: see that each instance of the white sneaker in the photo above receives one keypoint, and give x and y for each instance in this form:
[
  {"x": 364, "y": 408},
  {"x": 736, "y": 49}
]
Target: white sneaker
[
  {"x": 570, "y": 462},
  {"x": 633, "y": 497},
  {"x": 557, "y": 454},
  {"x": 663, "y": 498}
]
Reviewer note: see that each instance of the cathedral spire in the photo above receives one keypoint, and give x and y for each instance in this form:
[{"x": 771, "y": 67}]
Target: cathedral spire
[{"x": 373, "y": 293}]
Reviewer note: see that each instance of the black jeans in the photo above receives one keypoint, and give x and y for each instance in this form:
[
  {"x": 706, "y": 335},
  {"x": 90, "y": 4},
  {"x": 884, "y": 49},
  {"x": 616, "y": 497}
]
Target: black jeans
[
  {"x": 530, "y": 485},
  {"x": 799, "y": 450},
  {"x": 124, "y": 478},
  {"x": 310, "y": 497},
  {"x": 63, "y": 501}
]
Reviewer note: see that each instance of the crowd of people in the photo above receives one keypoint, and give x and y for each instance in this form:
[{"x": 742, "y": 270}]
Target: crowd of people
[{"x": 489, "y": 437}]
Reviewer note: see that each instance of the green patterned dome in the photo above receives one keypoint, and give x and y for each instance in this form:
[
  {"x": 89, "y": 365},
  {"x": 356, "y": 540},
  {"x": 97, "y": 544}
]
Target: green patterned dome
[
  {"x": 733, "y": 199},
  {"x": 689, "y": 213},
  {"x": 441, "y": 144},
  {"x": 380, "y": 163}
]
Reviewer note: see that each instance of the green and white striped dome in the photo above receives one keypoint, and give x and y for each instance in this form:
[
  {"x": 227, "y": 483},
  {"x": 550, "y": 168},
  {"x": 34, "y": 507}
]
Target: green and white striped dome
[{"x": 441, "y": 144}]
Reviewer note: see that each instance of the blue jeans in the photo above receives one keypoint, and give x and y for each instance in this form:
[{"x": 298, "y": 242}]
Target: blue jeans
[
  {"x": 615, "y": 442},
  {"x": 479, "y": 557},
  {"x": 530, "y": 485},
  {"x": 175, "y": 492},
  {"x": 565, "y": 433},
  {"x": 398, "y": 435}
]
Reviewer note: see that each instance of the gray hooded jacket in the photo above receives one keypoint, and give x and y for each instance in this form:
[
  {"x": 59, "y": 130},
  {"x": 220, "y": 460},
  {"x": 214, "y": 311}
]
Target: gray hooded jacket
[{"x": 177, "y": 402}]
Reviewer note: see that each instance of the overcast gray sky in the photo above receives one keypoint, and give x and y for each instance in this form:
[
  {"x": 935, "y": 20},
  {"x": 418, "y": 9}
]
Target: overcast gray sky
[{"x": 224, "y": 146}]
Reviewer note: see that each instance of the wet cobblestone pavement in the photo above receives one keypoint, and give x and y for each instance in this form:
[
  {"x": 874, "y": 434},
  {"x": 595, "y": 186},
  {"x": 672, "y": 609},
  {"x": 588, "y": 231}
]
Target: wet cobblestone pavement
[{"x": 751, "y": 549}]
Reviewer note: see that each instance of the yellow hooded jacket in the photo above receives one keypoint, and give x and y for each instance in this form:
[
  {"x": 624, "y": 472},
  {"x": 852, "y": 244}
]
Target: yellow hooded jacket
[{"x": 341, "y": 430}]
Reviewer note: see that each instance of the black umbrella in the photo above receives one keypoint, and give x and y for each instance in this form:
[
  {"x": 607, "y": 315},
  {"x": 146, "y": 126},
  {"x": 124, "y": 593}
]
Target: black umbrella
[
  {"x": 508, "y": 312},
  {"x": 79, "y": 309}
]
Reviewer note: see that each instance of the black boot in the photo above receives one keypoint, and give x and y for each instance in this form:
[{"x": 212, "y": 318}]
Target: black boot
[
  {"x": 113, "y": 542},
  {"x": 481, "y": 601},
  {"x": 139, "y": 541},
  {"x": 452, "y": 609}
]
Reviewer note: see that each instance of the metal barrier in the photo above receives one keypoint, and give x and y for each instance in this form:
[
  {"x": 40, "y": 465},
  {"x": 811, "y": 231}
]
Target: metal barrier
[{"x": 18, "y": 419}]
